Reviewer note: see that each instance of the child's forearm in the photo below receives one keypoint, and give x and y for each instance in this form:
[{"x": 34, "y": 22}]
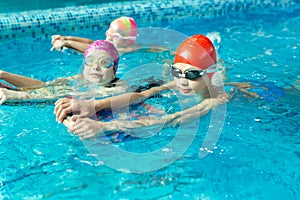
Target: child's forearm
[
  {"x": 125, "y": 126},
  {"x": 182, "y": 117},
  {"x": 79, "y": 39},
  {"x": 79, "y": 46},
  {"x": 17, "y": 95},
  {"x": 128, "y": 99},
  {"x": 118, "y": 101},
  {"x": 20, "y": 81}
]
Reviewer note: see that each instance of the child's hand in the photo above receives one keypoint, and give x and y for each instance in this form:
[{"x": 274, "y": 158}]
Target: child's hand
[
  {"x": 84, "y": 127},
  {"x": 66, "y": 106},
  {"x": 58, "y": 45},
  {"x": 56, "y": 37}
]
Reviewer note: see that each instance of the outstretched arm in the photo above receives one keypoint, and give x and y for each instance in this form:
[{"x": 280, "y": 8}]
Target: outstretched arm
[
  {"x": 13, "y": 95},
  {"x": 76, "y": 43},
  {"x": 130, "y": 98},
  {"x": 20, "y": 81},
  {"x": 89, "y": 108}
]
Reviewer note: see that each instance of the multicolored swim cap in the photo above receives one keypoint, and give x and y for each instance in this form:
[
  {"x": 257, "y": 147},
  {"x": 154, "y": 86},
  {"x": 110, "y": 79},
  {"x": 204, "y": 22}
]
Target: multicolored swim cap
[
  {"x": 105, "y": 46},
  {"x": 198, "y": 51},
  {"x": 126, "y": 26}
]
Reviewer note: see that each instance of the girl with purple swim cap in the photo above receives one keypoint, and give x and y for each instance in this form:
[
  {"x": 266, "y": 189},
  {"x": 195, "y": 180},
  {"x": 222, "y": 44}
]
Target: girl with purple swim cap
[
  {"x": 105, "y": 46},
  {"x": 101, "y": 60},
  {"x": 122, "y": 32}
]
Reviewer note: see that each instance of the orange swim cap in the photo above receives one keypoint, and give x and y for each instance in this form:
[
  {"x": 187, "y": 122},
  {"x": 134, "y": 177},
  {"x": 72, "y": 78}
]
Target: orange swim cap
[{"x": 198, "y": 51}]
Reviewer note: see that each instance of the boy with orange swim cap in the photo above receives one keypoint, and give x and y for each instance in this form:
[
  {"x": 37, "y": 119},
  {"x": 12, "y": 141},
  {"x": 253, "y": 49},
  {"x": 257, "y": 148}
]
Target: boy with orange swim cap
[
  {"x": 193, "y": 67},
  {"x": 122, "y": 32},
  {"x": 198, "y": 51}
]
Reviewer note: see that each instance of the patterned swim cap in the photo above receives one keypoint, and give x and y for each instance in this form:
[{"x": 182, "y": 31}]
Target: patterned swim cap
[
  {"x": 124, "y": 25},
  {"x": 105, "y": 46},
  {"x": 198, "y": 51}
]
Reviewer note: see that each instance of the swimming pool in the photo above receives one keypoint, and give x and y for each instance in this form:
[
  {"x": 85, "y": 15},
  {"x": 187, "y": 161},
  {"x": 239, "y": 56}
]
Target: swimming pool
[{"x": 256, "y": 156}]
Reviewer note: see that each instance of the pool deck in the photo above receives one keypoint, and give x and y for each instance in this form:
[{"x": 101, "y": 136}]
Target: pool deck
[{"x": 44, "y": 23}]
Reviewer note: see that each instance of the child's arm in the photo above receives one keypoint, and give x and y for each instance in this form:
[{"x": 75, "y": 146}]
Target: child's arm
[
  {"x": 20, "y": 81},
  {"x": 85, "y": 127},
  {"x": 77, "y": 39},
  {"x": 185, "y": 116},
  {"x": 243, "y": 87},
  {"x": 13, "y": 95},
  {"x": 65, "y": 106},
  {"x": 130, "y": 98},
  {"x": 63, "y": 80},
  {"x": 76, "y": 43}
]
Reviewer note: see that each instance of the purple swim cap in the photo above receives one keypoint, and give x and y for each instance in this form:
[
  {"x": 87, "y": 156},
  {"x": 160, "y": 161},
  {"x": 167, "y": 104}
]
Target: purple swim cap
[{"x": 105, "y": 46}]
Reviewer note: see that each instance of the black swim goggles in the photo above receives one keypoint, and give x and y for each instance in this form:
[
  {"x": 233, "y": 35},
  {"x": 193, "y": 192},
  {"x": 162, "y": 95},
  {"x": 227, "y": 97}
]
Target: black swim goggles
[{"x": 192, "y": 74}]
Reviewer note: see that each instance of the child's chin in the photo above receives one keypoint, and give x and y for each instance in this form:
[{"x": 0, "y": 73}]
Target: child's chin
[{"x": 94, "y": 80}]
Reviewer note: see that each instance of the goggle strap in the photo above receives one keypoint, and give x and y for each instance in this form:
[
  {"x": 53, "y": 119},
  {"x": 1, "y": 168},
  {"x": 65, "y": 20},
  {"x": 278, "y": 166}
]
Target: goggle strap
[
  {"x": 124, "y": 37},
  {"x": 211, "y": 69}
]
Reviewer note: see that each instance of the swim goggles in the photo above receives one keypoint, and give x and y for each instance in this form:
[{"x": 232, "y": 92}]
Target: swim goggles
[
  {"x": 118, "y": 36},
  {"x": 192, "y": 74},
  {"x": 101, "y": 62}
]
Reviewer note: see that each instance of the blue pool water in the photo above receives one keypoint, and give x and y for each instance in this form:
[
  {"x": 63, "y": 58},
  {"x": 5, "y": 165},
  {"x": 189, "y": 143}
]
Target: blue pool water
[{"x": 256, "y": 157}]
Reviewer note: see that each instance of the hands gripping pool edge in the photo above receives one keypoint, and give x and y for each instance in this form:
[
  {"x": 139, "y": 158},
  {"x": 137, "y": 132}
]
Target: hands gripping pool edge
[{"x": 192, "y": 76}]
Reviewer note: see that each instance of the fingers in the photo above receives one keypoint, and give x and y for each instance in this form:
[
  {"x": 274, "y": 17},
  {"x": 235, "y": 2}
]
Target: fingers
[
  {"x": 80, "y": 124},
  {"x": 54, "y": 38},
  {"x": 83, "y": 127},
  {"x": 87, "y": 135},
  {"x": 52, "y": 48},
  {"x": 60, "y": 100},
  {"x": 62, "y": 113},
  {"x": 57, "y": 44},
  {"x": 84, "y": 115},
  {"x": 62, "y": 108},
  {"x": 74, "y": 118}
]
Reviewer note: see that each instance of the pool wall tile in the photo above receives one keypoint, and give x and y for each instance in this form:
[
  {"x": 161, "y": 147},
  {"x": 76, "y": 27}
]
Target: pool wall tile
[{"x": 43, "y": 23}]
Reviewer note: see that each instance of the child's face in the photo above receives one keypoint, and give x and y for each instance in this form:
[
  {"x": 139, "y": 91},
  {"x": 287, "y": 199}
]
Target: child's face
[
  {"x": 99, "y": 67},
  {"x": 187, "y": 86}
]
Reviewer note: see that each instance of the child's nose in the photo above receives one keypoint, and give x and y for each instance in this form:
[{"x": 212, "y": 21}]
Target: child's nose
[
  {"x": 96, "y": 67},
  {"x": 183, "y": 81}
]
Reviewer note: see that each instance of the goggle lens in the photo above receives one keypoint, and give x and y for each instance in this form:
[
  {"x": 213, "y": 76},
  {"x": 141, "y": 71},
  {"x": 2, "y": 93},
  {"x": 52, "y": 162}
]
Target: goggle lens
[
  {"x": 191, "y": 74},
  {"x": 102, "y": 62}
]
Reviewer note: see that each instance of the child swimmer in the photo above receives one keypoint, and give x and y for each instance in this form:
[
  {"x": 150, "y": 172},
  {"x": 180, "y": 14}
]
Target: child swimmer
[
  {"x": 122, "y": 32},
  {"x": 101, "y": 60}
]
